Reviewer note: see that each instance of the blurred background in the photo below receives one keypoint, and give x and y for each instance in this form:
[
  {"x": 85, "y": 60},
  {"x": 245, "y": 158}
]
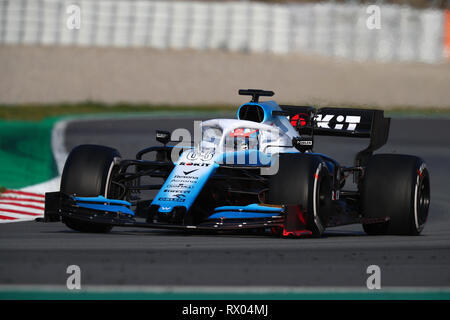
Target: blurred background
[
  {"x": 164, "y": 64},
  {"x": 386, "y": 54}
]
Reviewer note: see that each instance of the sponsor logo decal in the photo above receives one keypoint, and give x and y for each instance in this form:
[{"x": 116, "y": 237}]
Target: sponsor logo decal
[
  {"x": 189, "y": 172},
  {"x": 178, "y": 191},
  {"x": 179, "y": 178},
  {"x": 194, "y": 164},
  {"x": 327, "y": 121},
  {"x": 176, "y": 198},
  {"x": 324, "y": 121},
  {"x": 299, "y": 120},
  {"x": 179, "y": 186}
]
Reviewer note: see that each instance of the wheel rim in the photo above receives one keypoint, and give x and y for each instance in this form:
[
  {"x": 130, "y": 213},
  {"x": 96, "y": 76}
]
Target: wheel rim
[
  {"x": 322, "y": 198},
  {"x": 323, "y": 195},
  {"x": 423, "y": 201}
]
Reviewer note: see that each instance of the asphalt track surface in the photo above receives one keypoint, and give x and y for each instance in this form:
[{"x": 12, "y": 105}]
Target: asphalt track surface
[{"x": 37, "y": 253}]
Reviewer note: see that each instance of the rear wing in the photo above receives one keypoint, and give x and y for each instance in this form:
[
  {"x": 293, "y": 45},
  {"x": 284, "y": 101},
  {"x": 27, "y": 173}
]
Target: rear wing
[{"x": 343, "y": 122}]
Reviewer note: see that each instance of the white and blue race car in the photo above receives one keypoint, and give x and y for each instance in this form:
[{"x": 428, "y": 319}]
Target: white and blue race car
[{"x": 256, "y": 172}]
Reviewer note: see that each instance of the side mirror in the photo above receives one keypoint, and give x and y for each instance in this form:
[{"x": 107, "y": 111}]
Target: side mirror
[{"x": 163, "y": 136}]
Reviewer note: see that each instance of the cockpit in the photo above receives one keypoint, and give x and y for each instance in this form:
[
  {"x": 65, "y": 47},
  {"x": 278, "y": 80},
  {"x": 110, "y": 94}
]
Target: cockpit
[
  {"x": 239, "y": 139},
  {"x": 229, "y": 135}
]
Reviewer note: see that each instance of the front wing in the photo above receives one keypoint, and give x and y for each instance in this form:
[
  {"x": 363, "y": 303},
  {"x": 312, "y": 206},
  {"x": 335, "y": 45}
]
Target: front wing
[
  {"x": 290, "y": 219},
  {"x": 59, "y": 206}
]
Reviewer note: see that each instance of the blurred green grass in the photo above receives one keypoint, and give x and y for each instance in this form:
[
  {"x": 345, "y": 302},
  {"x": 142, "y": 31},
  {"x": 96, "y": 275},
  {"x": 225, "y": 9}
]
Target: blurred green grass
[
  {"x": 38, "y": 112},
  {"x": 26, "y": 156}
]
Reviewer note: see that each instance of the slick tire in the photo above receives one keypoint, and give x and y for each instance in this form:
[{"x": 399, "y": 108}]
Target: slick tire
[
  {"x": 86, "y": 173},
  {"x": 398, "y": 187},
  {"x": 303, "y": 180}
]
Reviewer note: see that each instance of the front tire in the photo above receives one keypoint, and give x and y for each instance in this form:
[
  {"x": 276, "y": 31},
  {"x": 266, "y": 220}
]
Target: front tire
[
  {"x": 303, "y": 180},
  {"x": 87, "y": 173},
  {"x": 398, "y": 187}
]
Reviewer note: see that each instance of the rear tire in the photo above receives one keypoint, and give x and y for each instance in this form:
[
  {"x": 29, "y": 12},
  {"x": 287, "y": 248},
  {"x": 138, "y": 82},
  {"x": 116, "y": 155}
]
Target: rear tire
[
  {"x": 303, "y": 180},
  {"x": 398, "y": 187},
  {"x": 86, "y": 174}
]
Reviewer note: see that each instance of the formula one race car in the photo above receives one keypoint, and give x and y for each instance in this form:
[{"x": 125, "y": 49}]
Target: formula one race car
[{"x": 256, "y": 172}]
